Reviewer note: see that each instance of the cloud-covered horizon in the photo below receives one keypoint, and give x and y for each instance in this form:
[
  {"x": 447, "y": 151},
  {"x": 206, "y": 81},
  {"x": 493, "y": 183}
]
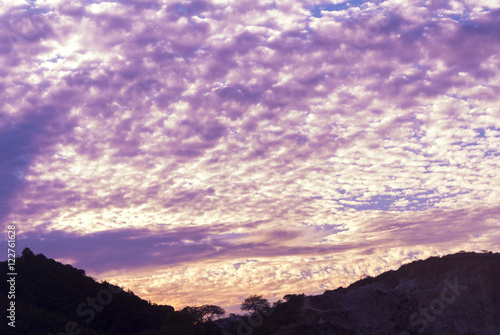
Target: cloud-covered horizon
[{"x": 249, "y": 146}]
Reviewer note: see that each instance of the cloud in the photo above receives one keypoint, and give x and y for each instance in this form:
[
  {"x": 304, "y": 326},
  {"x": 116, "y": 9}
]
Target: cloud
[{"x": 164, "y": 135}]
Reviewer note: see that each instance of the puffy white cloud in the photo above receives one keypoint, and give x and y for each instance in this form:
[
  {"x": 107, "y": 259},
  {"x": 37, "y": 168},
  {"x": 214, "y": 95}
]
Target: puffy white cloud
[{"x": 357, "y": 136}]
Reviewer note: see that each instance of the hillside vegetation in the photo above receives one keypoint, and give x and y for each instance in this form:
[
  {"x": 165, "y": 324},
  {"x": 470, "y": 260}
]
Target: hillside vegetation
[{"x": 454, "y": 294}]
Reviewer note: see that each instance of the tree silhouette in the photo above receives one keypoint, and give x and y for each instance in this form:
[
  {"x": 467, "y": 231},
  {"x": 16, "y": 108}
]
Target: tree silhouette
[
  {"x": 200, "y": 314},
  {"x": 211, "y": 311},
  {"x": 194, "y": 314},
  {"x": 255, "y": 303},
  {"x": 27, "y": 253}
]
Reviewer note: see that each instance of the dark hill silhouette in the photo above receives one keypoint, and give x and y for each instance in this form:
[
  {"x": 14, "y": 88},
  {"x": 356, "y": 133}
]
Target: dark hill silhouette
[
  {"x": 457, "y": 294},
  {"x": 49, "y": 293}
]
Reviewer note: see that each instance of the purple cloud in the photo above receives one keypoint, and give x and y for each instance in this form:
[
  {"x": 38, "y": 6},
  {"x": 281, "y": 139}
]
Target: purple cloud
[{"x": 249, "y": 129}]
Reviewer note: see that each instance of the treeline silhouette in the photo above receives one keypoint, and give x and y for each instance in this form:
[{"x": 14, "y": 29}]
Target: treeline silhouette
[{"x": 57, "y": 299}]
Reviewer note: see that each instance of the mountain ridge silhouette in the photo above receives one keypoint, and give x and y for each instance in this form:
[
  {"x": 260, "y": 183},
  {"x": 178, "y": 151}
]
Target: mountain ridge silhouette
[{"x": 454, "y": 294}]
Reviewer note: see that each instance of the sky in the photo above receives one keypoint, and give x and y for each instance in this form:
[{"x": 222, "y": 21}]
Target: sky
[{"x": 201, "y": 151}]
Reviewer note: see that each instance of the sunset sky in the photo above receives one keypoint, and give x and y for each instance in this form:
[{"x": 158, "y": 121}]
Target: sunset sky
[{"x": 200, "y": 151}]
